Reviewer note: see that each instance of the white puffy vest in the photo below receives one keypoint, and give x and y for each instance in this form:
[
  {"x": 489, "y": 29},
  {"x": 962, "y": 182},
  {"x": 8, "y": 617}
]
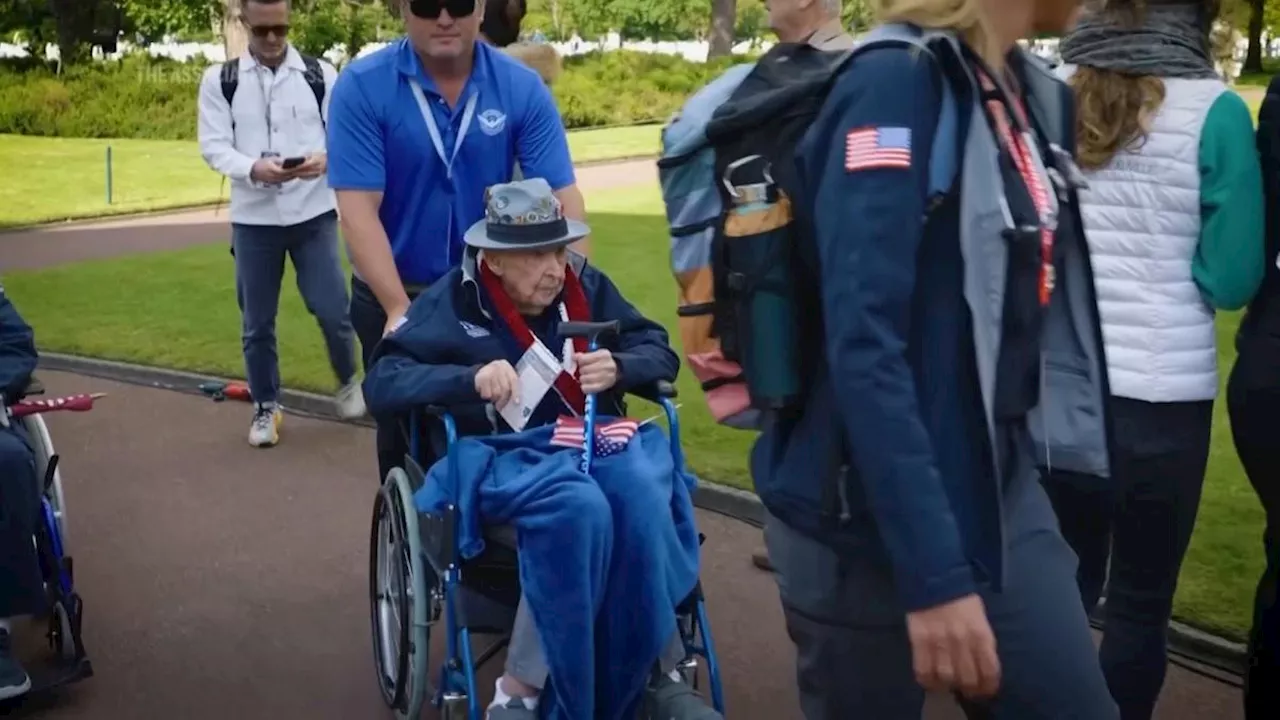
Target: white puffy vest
[{"x": 1142, "y": 220}]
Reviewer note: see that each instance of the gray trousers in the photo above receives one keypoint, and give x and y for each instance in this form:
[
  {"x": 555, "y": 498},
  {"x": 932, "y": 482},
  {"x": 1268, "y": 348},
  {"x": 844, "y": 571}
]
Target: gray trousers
[
  {"x": 526, "y": 663},
  {"x": 852, "y": 653}
]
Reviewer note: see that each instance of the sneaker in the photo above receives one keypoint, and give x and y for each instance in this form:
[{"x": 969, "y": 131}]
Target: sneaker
[
  {"x": 350, "y": 401},
  {"x": 265, "y": 430},
  {"x": 671, "y": 699},
  {"x": 514, "y": 709},
  {"x": 14, "y": 681}
]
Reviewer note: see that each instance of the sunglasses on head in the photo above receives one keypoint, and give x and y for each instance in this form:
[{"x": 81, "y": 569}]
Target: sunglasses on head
[
  {"x": 431, "y": 9},
  {"x": 262, "y": 31}
]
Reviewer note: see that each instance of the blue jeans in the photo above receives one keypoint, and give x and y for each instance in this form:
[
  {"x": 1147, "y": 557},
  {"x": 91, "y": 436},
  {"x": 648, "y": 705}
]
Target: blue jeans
[
  {"x": 260, "y": 252},
  {"x": 1131, "y": 534}
]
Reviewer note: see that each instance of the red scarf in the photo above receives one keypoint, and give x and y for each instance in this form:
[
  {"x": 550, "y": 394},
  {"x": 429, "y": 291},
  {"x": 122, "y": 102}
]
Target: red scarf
[{"x": 575, "y": 305}]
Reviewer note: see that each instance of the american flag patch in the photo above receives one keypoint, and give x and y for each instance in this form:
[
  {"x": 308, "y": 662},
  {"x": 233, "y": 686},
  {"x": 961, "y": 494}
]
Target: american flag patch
[
  {"x": 611, "y": 437},
  {"x": 875, "y": 148}
]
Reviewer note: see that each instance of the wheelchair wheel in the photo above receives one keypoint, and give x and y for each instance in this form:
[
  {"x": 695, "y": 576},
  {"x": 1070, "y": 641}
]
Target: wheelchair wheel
[
  {"x": 64, "y": 628},
  {"x": 42, "y": 445},
  {"x": 401, "y": 608}
]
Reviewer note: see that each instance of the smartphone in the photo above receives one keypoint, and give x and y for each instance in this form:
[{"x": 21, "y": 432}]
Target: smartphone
[{"x": 293, "y": 162}]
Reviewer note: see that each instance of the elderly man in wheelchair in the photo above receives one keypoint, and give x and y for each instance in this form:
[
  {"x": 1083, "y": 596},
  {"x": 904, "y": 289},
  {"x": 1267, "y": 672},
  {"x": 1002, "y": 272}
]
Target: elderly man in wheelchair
[
  {"x": 607, "y": 547},
  {"x": 21, "y": 582}
]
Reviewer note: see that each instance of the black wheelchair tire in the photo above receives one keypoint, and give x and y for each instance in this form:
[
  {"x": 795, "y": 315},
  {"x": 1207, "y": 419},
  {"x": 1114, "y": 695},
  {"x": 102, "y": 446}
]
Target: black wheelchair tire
[
  {"x": 392, "y": 686},
  {"x": 406, "y": 691}
]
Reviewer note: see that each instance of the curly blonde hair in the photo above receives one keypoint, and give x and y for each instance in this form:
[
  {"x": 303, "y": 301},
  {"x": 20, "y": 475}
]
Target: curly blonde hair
[{"x": 1113, "y": 112}]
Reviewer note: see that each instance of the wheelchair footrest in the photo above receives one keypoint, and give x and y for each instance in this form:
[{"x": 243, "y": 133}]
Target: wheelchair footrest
[
  {"x": 51, "y": 674},
  {"x": 48, "y": 674}
]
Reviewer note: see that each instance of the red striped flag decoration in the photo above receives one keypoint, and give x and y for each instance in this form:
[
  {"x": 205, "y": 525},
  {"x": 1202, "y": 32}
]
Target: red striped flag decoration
[
  {"x": 877, "y": 148},
  {"x": 611, "y": 437}
]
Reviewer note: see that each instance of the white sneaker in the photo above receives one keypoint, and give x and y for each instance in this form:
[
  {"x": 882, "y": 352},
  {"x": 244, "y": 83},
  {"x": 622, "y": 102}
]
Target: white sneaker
[
  {"x": 350, "y": 401},
  {"x": 265, "y": 430}
]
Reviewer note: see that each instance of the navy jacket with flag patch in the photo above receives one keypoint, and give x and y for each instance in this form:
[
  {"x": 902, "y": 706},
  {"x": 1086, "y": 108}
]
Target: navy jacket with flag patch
[
  {"x": 450, "y": 333},
  {"x": 894, "y": 409}
]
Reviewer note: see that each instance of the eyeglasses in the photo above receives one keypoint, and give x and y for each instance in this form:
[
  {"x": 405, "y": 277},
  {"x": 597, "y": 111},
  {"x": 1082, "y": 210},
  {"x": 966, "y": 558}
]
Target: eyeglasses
[
  {"x": 430, "y": 9},
  {"x": 263, "y": 31}
]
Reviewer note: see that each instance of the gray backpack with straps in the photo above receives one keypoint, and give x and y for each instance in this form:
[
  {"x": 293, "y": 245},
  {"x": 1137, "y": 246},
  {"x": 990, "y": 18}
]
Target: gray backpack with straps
[{"x": 753, "y": 115}]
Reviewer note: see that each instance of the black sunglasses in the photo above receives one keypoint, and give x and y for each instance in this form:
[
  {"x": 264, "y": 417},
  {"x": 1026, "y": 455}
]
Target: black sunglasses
[
  {"x": 431, "y": 9},
  {"x": 265, "y": 30}
]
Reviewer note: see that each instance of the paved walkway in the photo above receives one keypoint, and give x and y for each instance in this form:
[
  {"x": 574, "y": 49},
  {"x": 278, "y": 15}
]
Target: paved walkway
[
  {"x": 73, "y": 242},
  {"x": 226, "y": 582}
]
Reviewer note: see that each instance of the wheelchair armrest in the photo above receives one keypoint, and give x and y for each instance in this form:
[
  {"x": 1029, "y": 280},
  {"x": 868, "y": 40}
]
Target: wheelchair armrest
[
  {"x": 437, "y": 410},
  {"x": 655, "y": 392}
]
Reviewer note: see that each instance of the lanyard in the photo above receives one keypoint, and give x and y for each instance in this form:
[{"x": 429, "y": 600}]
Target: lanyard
[
  {"x": 1033, "y": 175},
  {"x": 268, "y": 89},
  {"x": 429, "y": 116}
]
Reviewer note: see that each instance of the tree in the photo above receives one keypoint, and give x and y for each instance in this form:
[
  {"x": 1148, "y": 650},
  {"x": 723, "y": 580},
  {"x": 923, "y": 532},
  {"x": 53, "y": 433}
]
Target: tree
[
  {"x": 1253, "y": 56},
  {"x": 752, "y": 19},
  {"x": 723, "y": 14},
  {"x": 235, "y": 39},
  {"x": 856, "y": 16},
  {"x": 77, "y": 21},
  {"x": 154, "y": 19},
  {"x": 322, "y": 24},
  {"x": 29, "y": 23}
]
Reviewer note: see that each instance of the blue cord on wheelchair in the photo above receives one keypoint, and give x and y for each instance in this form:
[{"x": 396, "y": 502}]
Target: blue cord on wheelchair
[{"x": 589, "y": 422}]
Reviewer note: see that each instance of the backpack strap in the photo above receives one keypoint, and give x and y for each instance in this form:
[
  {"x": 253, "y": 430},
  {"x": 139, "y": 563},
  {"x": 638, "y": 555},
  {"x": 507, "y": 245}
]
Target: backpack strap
[
  {"x": 314, "y": 75},
  {"x": 315, "y": 78},
  {"x": 230, "y": 78}
]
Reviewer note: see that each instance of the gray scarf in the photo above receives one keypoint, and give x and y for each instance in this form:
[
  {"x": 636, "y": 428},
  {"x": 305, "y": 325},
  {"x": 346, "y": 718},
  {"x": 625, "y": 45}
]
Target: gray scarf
[{"x": 1171, "y": 40}]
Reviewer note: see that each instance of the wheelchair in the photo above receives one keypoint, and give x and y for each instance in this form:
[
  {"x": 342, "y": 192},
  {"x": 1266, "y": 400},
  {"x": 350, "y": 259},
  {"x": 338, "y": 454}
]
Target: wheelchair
[
  {"x": 417, "y": 576},
  {"x": 69, "y": 661}
]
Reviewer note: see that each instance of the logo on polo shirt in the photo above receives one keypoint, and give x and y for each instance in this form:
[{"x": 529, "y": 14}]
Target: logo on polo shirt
[{"x": 492, "y": 122}]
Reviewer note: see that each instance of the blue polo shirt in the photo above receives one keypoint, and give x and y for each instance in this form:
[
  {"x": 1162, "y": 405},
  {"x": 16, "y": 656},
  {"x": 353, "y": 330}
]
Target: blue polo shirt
[{"x": 379, "y": 140}]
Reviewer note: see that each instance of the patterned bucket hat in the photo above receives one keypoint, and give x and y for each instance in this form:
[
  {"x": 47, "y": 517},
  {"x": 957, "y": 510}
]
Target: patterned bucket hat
[{"x": 523, "y": 215}]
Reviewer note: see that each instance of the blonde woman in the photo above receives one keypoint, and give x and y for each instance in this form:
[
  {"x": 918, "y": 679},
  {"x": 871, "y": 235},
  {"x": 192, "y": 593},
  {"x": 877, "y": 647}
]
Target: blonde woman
[
  {"x": 956, "y": 345},
  {"x": 1174, "y": 219}
]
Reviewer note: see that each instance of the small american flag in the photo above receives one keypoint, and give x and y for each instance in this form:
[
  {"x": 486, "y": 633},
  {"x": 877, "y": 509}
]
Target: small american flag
[
  {"x": 611, "y": 437},
  {"x": 873, "y": 148}
]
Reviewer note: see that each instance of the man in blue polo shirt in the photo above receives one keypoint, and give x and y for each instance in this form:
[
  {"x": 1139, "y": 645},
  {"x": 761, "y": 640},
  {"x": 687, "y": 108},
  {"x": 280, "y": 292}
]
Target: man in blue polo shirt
[{"x": 417, "y": 131}]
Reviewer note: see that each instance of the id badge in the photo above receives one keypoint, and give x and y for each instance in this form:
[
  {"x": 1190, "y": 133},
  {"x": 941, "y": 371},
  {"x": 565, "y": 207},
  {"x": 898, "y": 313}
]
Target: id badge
[
  {"x": 536, "y": 371},
  {"x": 267, "y": 154}
]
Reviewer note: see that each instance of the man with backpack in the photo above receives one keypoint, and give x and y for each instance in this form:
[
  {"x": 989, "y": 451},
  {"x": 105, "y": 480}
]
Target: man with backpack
[
  {"x": 262, "y": 123},
  {"x": 816, "y": 23}
]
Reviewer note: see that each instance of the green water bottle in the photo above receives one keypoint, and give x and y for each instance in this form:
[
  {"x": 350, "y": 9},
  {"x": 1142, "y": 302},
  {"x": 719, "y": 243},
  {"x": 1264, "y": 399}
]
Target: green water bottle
[{"x": 758, "y": 243}]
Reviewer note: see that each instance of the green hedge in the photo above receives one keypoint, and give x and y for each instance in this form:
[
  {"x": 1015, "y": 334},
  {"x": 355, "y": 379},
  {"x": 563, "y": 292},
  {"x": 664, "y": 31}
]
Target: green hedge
[{"x": 155, "y": 98}]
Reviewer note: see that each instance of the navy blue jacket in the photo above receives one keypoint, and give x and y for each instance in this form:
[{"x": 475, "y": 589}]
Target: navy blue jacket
[
  {"x": 896, "y": 372},
  {"x": 450, "y": 334},
  {"x": 17, "y": 351}
]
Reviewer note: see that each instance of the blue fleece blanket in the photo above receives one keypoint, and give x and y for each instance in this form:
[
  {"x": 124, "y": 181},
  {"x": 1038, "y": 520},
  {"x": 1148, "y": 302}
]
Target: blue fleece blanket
[{"x": 604, "y": 560}]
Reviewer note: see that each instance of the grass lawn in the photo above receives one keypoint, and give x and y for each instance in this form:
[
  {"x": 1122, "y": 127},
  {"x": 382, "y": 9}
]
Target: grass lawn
[
  {"x": 180, "y": 311},
  {"x": 63, "y": 178}
]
